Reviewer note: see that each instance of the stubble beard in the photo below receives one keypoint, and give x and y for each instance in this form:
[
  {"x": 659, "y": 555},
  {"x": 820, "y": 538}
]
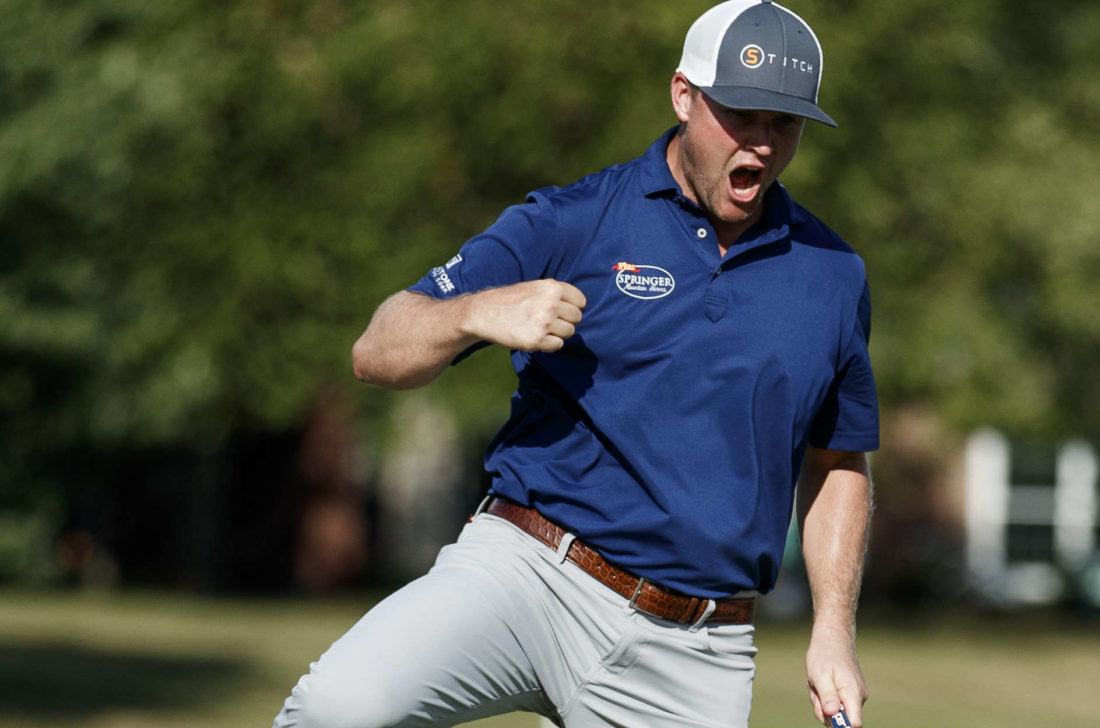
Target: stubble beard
[{"x": 711, "y": 190}]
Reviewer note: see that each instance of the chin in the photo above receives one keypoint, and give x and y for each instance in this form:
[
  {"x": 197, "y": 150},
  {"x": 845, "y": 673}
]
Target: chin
[{"x": 740, "y": 214}]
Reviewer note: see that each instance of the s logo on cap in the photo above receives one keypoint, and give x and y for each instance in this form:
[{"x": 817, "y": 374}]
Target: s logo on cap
[{"x": 752, "y": 56}]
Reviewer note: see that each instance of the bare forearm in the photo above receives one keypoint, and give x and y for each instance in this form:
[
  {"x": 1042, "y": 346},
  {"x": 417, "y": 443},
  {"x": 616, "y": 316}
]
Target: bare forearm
[
  {"x": 834, "y": 517},
  {"x": 412, "y": 338}
]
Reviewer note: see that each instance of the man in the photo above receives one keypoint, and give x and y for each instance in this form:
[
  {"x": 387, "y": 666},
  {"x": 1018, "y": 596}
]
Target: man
[{"x": 687, "y": 341}]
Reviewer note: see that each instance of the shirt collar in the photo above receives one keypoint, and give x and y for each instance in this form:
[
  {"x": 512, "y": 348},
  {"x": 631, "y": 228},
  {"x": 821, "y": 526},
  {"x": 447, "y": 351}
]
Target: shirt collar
[{"x": 656, "y": 176}]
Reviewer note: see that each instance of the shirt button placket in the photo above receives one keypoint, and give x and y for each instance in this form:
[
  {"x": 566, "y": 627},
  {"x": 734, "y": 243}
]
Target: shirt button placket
[{"x": 717, "y": 298}]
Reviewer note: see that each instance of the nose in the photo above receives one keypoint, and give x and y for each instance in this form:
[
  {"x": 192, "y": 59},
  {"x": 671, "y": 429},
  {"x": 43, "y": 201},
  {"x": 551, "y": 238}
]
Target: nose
[{"x": 759, "y": 135}]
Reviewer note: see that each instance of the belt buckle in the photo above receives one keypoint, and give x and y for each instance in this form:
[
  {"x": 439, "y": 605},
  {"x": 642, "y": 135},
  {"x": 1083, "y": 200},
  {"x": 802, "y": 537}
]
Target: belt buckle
[{"x": 642, "y": 581}]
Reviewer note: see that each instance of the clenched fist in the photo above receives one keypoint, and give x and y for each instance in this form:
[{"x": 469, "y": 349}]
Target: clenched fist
[{"x": 529, "y": 316}]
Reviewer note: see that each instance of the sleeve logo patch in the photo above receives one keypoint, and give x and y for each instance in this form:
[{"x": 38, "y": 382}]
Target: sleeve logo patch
[
  {"x": 643, "y": 281},
  {"x": 442, "y": 280}
]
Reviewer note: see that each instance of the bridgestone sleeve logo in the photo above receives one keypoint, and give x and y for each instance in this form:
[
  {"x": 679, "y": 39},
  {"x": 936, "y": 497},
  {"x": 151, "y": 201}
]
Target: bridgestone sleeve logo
[{"x": 442, "y": 280}]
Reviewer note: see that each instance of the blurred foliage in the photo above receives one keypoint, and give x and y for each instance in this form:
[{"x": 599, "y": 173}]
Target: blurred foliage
[
  {"x": 26, "y": 546},
  {"x": 202, "y": 202},
  {"x": 965, "y": 172}
]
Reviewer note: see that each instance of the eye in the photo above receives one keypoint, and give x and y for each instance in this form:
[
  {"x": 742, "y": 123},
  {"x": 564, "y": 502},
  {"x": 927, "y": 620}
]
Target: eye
[{"x": 741, "y": 116}]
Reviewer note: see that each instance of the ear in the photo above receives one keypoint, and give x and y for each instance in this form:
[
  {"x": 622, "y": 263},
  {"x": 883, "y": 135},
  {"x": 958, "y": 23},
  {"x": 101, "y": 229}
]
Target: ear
[{"x": 683, "y": 96}]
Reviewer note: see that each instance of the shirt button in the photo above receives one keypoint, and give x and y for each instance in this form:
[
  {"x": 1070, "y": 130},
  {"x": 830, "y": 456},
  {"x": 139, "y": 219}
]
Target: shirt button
[{"x": 701, "y": 232}]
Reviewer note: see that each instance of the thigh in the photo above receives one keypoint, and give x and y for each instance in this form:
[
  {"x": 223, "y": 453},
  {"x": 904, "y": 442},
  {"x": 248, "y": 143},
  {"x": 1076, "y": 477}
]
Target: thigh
[
  {"x": 667, "y": 676},
  {"x": 437, "y": 652}
]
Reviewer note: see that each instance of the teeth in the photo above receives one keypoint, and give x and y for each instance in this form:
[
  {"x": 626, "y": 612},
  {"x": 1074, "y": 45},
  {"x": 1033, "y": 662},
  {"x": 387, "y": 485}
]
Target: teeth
[{"x": 745, "y": 179}]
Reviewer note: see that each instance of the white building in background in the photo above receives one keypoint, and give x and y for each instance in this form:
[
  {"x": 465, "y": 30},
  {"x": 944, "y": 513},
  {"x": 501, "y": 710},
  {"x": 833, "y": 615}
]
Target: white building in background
[{"x": 1026, "y": 540}]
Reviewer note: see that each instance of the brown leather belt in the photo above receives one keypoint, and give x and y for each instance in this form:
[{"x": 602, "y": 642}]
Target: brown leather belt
[{"x": 643, "y": 594}]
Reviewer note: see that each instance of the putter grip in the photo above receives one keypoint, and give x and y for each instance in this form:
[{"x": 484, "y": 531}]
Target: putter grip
[{"x": 840, "y": 720}]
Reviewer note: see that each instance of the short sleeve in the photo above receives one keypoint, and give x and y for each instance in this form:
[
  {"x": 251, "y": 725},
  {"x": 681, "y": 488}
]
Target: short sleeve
[
  {"x": 517, "y": 247},
  {"x": 848, "y": 419}
]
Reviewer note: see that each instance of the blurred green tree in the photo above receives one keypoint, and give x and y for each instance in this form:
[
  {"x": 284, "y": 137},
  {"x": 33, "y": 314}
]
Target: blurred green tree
[
  {"x": 965, "y": 173},
  {"x": 201, "y": 203}
]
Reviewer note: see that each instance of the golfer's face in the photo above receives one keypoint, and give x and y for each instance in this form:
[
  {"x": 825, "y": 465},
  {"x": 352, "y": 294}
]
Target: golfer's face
[{"x": 730, "y": 157}]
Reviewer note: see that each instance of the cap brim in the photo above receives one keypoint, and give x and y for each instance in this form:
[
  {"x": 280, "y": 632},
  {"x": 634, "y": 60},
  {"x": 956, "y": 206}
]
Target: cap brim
[{"x": 748, "y": 97}]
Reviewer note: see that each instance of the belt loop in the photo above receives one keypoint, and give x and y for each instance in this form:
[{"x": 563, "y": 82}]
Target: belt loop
[
  {"x": 709, "y": 610},
  {"x": 563, "y": 548}
]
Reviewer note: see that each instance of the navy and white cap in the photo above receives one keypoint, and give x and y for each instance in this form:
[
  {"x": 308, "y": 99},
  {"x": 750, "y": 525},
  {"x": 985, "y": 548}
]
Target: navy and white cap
[{"x": 747, "y": 54}]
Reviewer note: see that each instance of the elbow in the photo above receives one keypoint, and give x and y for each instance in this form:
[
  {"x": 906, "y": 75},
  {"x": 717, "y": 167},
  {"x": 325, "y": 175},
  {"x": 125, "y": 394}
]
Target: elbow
[
  {"x": 364, "y": 364},
  {"x": 371, "y": 367},
  {"x": 359, "y": 369}
]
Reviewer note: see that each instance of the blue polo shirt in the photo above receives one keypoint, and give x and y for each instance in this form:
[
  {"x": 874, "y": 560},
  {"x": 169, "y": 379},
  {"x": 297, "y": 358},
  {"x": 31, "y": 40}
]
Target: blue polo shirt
[{"x": 669, "y": 431}]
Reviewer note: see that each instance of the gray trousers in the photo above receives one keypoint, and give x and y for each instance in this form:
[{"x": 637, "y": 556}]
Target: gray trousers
[{"x": 501, "y": 624}]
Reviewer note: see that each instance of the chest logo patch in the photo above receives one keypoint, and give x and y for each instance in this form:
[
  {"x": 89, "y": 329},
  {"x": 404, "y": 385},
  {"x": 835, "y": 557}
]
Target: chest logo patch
[{"x": 643, "y": 281}]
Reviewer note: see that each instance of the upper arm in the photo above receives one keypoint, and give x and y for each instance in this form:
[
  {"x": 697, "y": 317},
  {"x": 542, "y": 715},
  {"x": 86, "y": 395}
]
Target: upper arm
[
  {"x": 845, "y": 468},
  {"x": 820, "y": 460},
  {"x": 409, "y": 341}
]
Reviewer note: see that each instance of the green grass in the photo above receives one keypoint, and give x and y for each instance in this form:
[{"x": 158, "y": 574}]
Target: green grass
[{"x": 168, "y": 661}]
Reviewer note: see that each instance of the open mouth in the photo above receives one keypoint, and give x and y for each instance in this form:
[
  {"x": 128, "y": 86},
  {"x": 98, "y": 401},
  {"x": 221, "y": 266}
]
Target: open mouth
[{"x": 745, "y": 182}]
